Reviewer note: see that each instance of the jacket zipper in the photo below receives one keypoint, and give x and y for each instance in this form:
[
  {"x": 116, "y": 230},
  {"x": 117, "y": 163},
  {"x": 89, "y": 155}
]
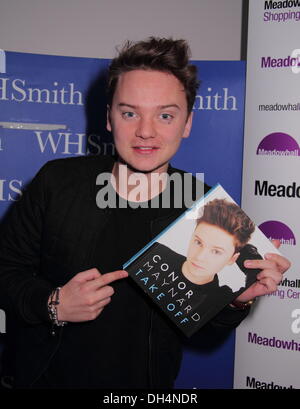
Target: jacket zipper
[
  {"x": 56, "y": 333},
  {"x": 150, "y": 351}
]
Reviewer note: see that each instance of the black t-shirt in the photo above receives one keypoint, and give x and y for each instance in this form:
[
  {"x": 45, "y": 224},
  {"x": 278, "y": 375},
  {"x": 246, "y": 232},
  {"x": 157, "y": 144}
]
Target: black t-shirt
[{"x": 86, "y": 354}]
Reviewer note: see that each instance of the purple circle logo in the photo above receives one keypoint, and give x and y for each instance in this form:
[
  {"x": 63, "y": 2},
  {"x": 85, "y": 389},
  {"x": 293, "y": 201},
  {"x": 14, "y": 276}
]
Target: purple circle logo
[
  {"x": 278, "y": 144},
  {"x": 278, "y": 230}
]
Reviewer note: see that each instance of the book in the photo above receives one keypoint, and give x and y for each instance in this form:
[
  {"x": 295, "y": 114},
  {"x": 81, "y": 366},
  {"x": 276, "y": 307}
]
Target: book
[{"x": 195, "y": 266}]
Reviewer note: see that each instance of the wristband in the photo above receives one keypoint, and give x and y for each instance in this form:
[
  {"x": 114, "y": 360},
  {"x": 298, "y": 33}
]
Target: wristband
[
  {"x": 52, "y": 310},
  {"x": 242, "y": 305}
]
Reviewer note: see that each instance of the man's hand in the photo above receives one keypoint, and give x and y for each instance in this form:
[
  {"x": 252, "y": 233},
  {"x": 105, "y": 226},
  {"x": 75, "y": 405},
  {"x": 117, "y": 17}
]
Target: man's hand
[
  {"x": 273, "y": 267},
  {"x": 86, "y": 294}
]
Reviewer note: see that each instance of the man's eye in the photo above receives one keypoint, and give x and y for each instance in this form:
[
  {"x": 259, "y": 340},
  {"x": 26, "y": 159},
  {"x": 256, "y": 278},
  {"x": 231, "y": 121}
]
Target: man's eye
[
  {"x": 128, "y": 115},
  {"x": 166, "y": 117}
]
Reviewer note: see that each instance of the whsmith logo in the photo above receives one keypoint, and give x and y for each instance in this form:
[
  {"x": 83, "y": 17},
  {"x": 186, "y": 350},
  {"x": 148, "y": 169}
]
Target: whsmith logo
[
  {"x": 68, "y": 143},
  {"x": 274, "y": 229},
  {"x": 278, "y": 144},
  {"x": 269, "y": 62},
  {"x": 18, "y": 91},
  {"x": 10, "y": 190},
  {"x": 216, "y": 101},
  {"x": 270, "y": 5},
  {"x": 2, "y": 62},
  {"x": 264, "y": 188}
]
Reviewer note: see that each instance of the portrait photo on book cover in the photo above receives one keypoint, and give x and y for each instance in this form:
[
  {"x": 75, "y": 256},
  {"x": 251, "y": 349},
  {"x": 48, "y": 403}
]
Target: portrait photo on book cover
[
  {"x": 218, "y": 245},
  {"x": 196, "y": 265},
  {"x": 213, "y": 239}
]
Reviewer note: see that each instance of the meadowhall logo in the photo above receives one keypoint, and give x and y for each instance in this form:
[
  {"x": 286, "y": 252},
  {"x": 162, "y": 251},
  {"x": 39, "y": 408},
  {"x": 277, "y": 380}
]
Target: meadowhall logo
[
  {"x": 289, "y": 61},
  {"x": 270, "y": 4},
  {"x": 274, "y": 229},
  {"x": 279, "y": 107},
  {"x": 273, "y": 342},
  {"x": 278, "y": 144},
  {"x": 282, "y": 15},
  {"x": 261, "y": 384},
  {"x": 265, "y": 188}
]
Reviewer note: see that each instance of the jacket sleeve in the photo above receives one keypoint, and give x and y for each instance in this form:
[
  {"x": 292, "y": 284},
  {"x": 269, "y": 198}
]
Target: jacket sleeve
[
  {"x": 25, "y": 293},
  {"x": 220, "y": 327},
  {"x": 230, "y": 317}
]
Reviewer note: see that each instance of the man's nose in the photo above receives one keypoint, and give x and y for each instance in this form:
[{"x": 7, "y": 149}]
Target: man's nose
[
  {"x": 146, "y": 128},
  {"x": 201, "y": 254}
]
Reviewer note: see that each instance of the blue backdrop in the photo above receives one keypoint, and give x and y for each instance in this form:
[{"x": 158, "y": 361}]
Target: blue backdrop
[{"x": 54, "y": 107}]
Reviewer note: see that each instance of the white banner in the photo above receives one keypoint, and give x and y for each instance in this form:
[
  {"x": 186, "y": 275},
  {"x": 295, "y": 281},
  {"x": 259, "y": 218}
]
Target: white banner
[{"x": 268, "y": 342}]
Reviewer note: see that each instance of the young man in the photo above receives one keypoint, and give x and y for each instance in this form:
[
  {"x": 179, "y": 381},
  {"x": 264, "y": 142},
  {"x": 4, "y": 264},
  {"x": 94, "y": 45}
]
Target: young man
[
  {"x": 221, "y": 232},
  {"x": 58, "y": 237}
]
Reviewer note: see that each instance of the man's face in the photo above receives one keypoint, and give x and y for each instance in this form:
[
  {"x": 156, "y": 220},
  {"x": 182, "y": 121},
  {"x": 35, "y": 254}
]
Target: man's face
[
  {"x": 148, "y": 119},
  {"x": 210, "y": 250}
]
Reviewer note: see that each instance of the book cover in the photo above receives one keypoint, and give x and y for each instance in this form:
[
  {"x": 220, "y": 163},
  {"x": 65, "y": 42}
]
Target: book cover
[{"x": 195, "y": 267}]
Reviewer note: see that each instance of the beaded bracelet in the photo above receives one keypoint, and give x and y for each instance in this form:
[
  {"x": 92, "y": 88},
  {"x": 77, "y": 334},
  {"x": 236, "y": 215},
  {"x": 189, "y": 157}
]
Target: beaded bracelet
[
  {"x": 242, "y": 305},
  {"x": 53, "y": 302}
]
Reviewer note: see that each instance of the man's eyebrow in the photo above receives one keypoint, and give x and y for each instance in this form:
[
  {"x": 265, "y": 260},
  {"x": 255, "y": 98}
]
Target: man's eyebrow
[
  {"x": 215, "y": 247},
  {"x": 123, "y": 104},
  {"x": 169, "y": 106}
]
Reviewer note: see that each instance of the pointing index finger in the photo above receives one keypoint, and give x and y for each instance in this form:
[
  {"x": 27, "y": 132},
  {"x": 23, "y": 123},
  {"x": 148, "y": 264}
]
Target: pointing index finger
[{"x": 113, "y": 276}]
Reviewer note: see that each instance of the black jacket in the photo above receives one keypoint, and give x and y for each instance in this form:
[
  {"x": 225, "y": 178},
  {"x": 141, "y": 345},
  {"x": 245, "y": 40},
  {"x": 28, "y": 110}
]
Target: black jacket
[{"x": 50, "y": 235}]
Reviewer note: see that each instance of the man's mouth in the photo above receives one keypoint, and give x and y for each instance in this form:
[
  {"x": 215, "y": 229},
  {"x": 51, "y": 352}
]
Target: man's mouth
[
  {"x": 197, "y": 266},
  {"x": 145, "y": 149}
]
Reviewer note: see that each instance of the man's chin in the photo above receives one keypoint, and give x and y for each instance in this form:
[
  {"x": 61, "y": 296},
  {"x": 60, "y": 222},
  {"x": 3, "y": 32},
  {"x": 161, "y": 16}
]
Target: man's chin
[{"x": 158, "y": 168}]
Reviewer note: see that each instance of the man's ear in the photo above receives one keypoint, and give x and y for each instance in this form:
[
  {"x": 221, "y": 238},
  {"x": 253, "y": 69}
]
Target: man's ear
[
  {"x": 108, "y": 122},
  {"x": 234, "y": 258},
  {"x": 188, "y": 125}
]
